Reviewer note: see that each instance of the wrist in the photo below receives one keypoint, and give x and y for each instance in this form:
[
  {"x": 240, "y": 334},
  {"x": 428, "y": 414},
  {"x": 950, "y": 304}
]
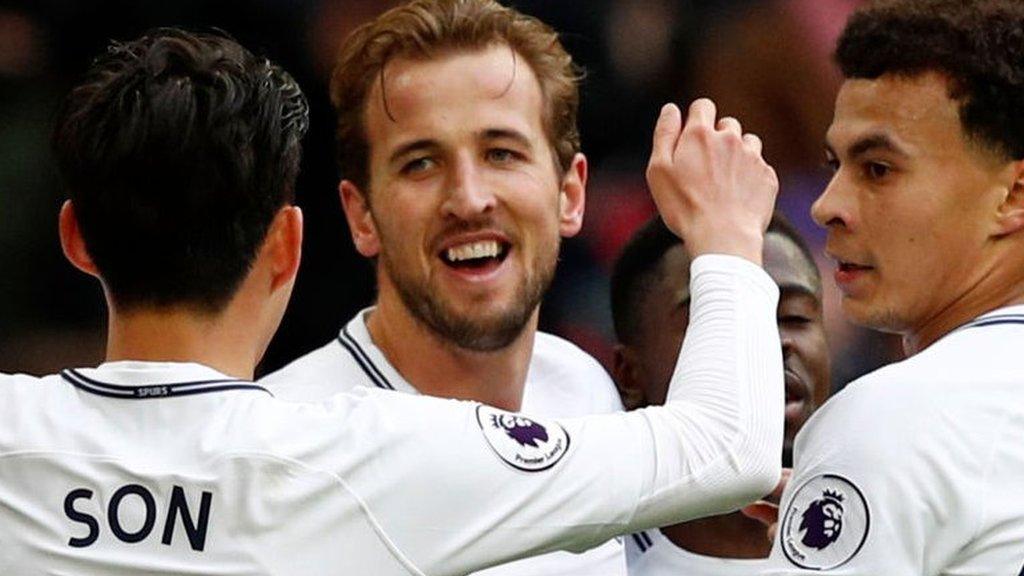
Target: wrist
[{"x": 746, "y": 244}]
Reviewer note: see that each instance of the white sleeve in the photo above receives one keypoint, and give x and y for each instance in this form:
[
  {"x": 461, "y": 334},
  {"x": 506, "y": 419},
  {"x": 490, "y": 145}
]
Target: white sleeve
[
  {"x": 457, "y": 486},
  {"x": 878, "y": 498}
]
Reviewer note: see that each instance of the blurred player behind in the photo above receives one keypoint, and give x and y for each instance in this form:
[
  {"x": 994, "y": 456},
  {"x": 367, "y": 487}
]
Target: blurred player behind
[
  {"x": 916, "y": 468},
  {"x": 462, "y": 167},
  {"x": 180, "y": 153},
  {"x": 650, "y": 302}
]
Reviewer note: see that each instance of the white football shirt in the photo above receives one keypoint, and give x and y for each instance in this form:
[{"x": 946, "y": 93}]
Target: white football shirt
[
  {"x": 562, "y": 381},
  {"x": 163, "y": 468},
  {"x": 650, "y": 553},
  {"x": 916, "y": 468}
]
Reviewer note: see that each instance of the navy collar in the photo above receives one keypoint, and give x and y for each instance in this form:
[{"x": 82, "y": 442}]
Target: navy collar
[{"x": 160, "y": 390}]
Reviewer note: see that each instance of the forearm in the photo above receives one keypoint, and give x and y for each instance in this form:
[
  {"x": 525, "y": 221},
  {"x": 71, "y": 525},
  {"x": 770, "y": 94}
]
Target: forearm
[{"x": 717, "y": 442}]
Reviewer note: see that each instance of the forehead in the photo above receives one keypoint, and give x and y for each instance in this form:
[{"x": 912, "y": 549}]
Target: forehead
[
  {"x": 456, "y": 92},
  {"x": 671, "y": 279},
  {"x": 787, "y": 265},
  {"x": 915, "y": 112}
]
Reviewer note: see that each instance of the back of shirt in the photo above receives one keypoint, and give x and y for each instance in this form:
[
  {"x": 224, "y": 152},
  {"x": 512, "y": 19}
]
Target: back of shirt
[{"x": 159, "y": 481}]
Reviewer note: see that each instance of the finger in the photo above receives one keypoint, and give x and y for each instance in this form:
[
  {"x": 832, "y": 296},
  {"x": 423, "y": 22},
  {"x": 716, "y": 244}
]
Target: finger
[
  {"x": 729, "y": 124},
  {"x": 702, "y": 113},
  {"x": 753, "y": 142},
  {"x": 666, "y": 133},
  {"x": 764, "y": 512}
]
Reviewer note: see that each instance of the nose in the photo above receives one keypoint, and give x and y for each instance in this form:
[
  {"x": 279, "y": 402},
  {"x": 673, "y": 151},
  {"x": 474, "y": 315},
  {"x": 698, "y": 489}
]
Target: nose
[
  {"x": 831, "y": 208},
  {"x": 788, "y": 343},
  {"x": 469, "y": 195}
]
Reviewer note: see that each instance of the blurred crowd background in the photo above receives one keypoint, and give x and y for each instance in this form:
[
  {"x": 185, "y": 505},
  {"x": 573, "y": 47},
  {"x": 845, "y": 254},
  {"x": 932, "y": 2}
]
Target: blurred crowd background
[{"x": 767, "y": 62}]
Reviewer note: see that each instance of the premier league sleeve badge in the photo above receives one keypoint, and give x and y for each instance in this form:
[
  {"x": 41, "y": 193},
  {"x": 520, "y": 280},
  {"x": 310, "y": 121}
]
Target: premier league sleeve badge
[
  {"x": 523, "y": 443},
  {"x": 826, "y": 523}
]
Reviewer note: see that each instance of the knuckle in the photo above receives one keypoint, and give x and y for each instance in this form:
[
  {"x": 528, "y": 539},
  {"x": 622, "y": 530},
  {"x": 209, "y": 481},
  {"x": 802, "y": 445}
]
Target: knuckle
[{"x": 698, "y": 131}]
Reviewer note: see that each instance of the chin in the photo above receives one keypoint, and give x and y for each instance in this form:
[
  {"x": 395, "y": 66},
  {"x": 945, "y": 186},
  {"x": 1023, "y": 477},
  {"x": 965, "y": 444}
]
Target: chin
[{"x": 873, "y": 316}]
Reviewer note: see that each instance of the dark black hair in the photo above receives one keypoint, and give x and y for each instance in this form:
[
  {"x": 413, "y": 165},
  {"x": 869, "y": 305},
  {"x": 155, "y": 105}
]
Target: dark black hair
[
  {"x": 177, "y": 150},
  {"x": 635, "y": 270},
  {"x": 977, "y": 44}
]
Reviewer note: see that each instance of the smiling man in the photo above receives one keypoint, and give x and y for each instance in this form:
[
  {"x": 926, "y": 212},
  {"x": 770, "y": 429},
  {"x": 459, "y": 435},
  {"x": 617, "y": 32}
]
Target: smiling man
[
  {"x": 916, "y": 468},
  {"x": 462, "y": 172},
  {"x": 650, "y": 307}
]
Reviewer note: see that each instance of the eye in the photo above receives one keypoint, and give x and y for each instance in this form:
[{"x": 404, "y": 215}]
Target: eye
[
  {"x": 794, "y": 319},
  {"x": 831, "y": 164},
  {"x": 876, "y": 170},
  {"x": 418, "y": 165},
  {"x": 502, "y": 155}
]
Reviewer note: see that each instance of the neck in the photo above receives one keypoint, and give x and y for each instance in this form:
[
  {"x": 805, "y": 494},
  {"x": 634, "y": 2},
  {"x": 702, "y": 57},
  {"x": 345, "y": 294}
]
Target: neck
[
  {"x": 438, "y": 367},
  {"x": 729, "y": 536},
  {"x": 999, "y": 285},
  {"x": 181, "y": 335}
]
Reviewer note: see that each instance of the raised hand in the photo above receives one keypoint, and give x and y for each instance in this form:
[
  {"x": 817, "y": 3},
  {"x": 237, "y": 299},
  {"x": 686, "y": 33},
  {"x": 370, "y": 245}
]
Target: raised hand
[{"x": 710, "y": 183}]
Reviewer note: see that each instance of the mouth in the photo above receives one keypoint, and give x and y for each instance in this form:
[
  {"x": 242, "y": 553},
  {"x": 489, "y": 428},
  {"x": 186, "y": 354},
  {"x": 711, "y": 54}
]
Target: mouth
[
  {"x": 796, "y": 395},
  {"x": 851, "y": 267},
  {"x": 848, "y": 273},
  {"x": 475, "y": 256}
]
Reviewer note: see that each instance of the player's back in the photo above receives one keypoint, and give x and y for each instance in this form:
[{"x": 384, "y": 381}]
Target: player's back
[{"x": 174, "y": 469}]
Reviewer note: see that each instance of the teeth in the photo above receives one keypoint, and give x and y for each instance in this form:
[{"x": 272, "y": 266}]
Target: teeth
[{"x": 473, "y": 250}]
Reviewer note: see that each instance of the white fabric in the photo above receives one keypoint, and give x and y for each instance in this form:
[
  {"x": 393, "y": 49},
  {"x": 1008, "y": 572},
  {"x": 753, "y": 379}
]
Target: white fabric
[
  {"x": 650, "y": 553},
  {"x": 374, "y": 482},
  {"x": 562, "y": 381},
  {"x": 934, "y": 447}
]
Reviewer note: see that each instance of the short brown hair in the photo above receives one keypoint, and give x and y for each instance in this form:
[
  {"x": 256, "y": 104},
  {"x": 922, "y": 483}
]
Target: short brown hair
[{"x": 424, "y": 29}]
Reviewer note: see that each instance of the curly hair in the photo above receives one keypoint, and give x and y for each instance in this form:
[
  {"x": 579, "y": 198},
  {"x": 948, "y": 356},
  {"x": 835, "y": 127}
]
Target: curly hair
[
  {"x": 977, "y": 44},
  {"x": 177, "y": 150},
  {"x": 424, "y": 29}
]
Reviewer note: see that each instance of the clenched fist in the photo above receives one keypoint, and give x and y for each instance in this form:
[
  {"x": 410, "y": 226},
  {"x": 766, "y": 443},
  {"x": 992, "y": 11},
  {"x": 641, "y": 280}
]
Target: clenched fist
[{"x": 710, "y": 183}]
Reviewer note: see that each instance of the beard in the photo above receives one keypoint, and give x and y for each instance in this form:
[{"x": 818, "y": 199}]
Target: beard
[{"x": 473, "y": 330}]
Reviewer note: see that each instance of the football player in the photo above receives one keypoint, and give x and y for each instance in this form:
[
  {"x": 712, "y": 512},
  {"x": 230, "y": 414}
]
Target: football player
[
  {"x": 915, "y": 468},
  {"x": 650, "y": 299},
  {"x": 463, "y": 171}
]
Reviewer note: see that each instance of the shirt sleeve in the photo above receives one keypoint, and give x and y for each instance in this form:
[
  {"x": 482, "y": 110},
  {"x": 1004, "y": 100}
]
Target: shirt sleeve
[
  {"x": 459, "y": 486},
  {"x": 870, "y": 494}
]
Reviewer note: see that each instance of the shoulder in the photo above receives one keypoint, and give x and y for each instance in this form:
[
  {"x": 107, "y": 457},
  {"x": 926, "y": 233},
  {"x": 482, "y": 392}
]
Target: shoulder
[
  {"x": 319, "y": 374},
  {"x": 958, "y": 381},
  {"x": 562, "y": 371},
  {"x": 28, "y": 387}
]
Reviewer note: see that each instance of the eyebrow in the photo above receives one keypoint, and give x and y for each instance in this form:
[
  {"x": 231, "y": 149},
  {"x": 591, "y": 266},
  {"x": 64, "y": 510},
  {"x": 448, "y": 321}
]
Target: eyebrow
[
  {"x": 798, "y": 289},
  {"x": 507, "y": 134},
  {"x": 414, "y": 146},
  {"x": 870, "y": 143}
]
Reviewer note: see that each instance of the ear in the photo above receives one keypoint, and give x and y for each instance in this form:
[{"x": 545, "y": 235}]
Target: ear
[
  {"x": 1010, "y": 216},
  {"x": 72, "y": 243},
  {"x": 360, "y": 219},
  {"x": 283, "y": 246},
  {"x": 573, "y": 197},
  {"x": 627, "y": 379}
]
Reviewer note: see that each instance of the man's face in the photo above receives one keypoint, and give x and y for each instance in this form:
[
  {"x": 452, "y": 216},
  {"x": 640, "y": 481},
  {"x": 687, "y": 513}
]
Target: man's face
[
  {"x": 906, "y": 209},
  {"x": 664, "y": 315},
  {"x": 466, "y": 203}
]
